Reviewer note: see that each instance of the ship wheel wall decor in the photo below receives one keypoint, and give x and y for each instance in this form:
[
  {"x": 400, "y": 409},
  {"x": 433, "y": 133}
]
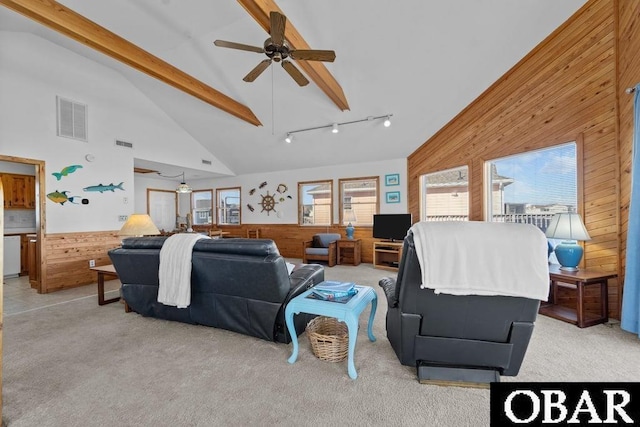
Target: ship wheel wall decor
[{"x": 268, "y": 203}]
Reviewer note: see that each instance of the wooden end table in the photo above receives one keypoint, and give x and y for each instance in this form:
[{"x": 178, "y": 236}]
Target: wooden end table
[
  {"x": 349, "y": 250},
  {"x": 578, "y": 281},
  {"x": 348, "y": 312},
  {"x": 105, "y": 270}
]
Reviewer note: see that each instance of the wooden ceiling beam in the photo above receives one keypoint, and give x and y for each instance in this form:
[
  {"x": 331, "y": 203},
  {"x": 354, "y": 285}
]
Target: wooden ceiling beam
[
  {"x": 66, "y": 21},
  {"x": 315, "y": 70}
]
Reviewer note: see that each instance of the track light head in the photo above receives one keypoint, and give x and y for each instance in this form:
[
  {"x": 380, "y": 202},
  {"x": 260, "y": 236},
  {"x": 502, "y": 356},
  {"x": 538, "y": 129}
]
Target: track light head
[{"x": 335, "y": 126}]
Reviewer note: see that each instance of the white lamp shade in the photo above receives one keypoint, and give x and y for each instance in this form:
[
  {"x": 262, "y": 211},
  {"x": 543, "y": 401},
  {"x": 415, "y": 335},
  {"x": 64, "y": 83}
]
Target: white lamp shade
[
  {"x": 567, "y": 226},
  {"x": 139, "y": 225}
]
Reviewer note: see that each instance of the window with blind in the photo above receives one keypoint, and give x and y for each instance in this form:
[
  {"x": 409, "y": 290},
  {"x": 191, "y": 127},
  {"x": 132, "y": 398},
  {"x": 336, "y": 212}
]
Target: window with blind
[
  {"x": 315, "y": 203},
  {"x": 445, "y": 195},
  {"x": 531, "y": 187},
  {"x": 358, "y": 200}
]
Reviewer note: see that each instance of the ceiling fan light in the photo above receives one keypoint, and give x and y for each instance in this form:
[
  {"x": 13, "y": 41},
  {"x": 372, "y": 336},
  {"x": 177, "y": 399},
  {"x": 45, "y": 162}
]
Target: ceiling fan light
[
  {"x": 289, "y": 138},
  {"x": 334, "y": 128},
  {"x": 387, "y": 122}
]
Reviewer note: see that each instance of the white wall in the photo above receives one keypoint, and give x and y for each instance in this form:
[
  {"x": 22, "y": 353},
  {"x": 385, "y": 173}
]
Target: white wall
[
  {"x": 286, "y": 211},
  {"x": 32, "y": 72}
]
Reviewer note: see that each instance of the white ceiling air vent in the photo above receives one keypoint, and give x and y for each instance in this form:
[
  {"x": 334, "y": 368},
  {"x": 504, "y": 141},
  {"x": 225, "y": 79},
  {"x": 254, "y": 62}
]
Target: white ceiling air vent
[
  {"x": 124, "y": 144},
  {"x": 206, "y": 162},
  {"x": 72, "y": 119}
]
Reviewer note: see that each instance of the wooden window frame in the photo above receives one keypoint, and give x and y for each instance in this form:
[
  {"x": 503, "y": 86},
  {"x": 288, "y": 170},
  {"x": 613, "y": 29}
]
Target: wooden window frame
[
  {"x": 217, "y": 207},
  {"x": 301, "y": 184},
  {"x": 341, "y": 183},
  {"x": 423, "y": 193}
]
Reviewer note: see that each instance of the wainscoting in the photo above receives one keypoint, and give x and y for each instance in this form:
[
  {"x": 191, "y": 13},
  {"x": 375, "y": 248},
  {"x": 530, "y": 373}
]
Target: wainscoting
[
  {"x": 66, "y": 255},
  {"x": 66, "y": 258},
  {"x": 289, "y": 237}
]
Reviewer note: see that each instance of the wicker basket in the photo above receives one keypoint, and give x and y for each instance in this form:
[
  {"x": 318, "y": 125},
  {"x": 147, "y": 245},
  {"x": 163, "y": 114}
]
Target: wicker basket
[{"x": 329, "y": 338}]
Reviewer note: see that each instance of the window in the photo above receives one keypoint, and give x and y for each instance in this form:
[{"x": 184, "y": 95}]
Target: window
[
  {"x": 315, "y": 203},
  {"x": 201, "y": 207},
  {"x": 358, "y": 200},
  {"x": 228, "y": 206},
  {"x": 531, "y": 187},
  {"x": 445, "y": 195}
]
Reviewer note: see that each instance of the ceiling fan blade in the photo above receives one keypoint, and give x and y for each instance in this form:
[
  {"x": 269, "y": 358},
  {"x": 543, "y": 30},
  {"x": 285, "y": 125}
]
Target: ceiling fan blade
[
  {"x": 295, "y": 73},
  {"x": 277, "y": 22},
  {"x": 313, "y": 55},
  {"x": 253, "y": 74},
  {"x": 240, "y": 46}
]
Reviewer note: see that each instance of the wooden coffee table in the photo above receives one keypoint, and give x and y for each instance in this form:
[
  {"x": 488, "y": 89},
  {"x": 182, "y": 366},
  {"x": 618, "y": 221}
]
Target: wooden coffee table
[{"x": 105, "y": 270}]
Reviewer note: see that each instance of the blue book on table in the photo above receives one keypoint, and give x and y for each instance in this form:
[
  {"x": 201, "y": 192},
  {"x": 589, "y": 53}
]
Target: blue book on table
[
  {"x": 330, "y": 290},
  {"x": 335, "y": 287}
]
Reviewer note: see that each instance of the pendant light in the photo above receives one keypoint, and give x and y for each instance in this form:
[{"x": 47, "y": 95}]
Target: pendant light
[{"x": 183, "y": 187}]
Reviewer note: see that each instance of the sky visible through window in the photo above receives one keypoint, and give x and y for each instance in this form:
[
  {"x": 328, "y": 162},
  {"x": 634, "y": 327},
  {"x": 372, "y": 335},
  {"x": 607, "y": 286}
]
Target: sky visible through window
[{"x": 541, "y": 177}]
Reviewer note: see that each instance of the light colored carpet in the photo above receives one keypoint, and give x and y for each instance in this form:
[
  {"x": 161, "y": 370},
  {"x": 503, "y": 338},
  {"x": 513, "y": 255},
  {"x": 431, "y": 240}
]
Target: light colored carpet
[{"x": 78, "y": 364}]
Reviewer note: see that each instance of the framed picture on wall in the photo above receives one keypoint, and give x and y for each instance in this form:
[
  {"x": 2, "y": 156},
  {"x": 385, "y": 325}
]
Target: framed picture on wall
[
  {"x": 393, "y": 197},
  {"x": 392, "y": 179}
]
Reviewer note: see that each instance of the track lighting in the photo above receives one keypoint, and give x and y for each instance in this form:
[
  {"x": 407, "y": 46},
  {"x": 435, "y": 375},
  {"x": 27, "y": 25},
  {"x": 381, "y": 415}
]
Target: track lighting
[{"x": 335, "y": 126}]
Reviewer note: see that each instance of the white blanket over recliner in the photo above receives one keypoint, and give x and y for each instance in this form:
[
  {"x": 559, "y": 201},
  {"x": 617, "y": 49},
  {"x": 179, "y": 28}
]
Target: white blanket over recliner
[
  {"x": 483, "y": 258},
  {"x": 174, "y": 274}
]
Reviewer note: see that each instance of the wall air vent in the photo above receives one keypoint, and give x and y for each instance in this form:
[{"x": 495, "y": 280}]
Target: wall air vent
[
  {"x": 72, "y": 119},
  {"x": 124, "y": 144},
  {"x": 206, "y": 162}
]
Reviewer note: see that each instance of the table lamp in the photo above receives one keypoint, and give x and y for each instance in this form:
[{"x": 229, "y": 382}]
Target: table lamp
[
  {"x": 139, "y": 225},
  {"x": 349, "y": 217},
  {"x": 568, "y": 227}
]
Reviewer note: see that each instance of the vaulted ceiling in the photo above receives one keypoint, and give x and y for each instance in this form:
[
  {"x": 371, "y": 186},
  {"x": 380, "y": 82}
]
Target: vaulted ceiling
[{"x": 421, "y": 61}]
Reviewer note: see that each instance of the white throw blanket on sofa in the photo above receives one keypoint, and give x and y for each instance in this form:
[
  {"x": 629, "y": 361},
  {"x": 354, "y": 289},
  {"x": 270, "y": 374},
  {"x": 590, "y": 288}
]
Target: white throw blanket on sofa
[
  {"x": 483, "y": 258},
  {"x": 174, "y": 275}
]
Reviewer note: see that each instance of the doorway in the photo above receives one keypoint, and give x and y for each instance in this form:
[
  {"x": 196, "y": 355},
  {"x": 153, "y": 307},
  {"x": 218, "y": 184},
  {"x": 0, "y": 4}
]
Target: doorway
[{"x": 39, "y": 211}]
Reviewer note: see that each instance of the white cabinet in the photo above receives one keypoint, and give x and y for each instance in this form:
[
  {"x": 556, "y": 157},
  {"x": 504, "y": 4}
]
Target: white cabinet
[{"x": 11, "y": 256}]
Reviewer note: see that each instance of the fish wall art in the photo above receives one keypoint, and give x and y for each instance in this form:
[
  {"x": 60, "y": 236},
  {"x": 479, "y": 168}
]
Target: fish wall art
[
  {"x": 61, "y": 197},
  {"x": 102, "y": 188},
  {"x": 66, "y": 171}
]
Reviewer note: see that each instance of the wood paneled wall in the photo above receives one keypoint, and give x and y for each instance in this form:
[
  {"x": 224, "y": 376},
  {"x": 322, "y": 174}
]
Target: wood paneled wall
[
  {"x": 564, "y": 90},
  {"x": 628, "y": 76},
  {"x": 289, "y": 237},
  {"x": 67, "y": 258},
  {"x": 68, "y": 254}
]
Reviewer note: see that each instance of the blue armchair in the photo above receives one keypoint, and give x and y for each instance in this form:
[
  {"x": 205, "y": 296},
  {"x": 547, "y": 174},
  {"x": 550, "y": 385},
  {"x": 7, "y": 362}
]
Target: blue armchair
[{"x": 323, "y": 247}]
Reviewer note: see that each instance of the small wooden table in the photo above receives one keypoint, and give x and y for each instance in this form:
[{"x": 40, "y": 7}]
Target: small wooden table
[
  {"x": 349, "y": 250},
  {"x": 578, "y": 281},
  {"x": 105, "y": 270},
  {"x": 348, "y": 312}
]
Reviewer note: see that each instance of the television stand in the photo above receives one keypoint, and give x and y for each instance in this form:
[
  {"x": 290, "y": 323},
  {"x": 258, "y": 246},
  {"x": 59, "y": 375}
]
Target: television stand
[{"x": 386, "y": 255}]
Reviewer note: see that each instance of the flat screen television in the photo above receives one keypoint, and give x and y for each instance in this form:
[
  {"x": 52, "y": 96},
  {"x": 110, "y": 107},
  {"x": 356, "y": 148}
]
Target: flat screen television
[{"x": 391, "y": 226}]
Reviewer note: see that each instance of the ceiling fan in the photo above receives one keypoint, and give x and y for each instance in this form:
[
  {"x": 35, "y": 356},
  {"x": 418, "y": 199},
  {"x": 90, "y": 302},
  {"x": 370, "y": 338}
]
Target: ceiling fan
[{"x": 277, "y": 49}]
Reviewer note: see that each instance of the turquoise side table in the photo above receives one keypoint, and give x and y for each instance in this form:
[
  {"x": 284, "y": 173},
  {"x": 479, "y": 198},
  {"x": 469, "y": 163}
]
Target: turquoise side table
[{"x": 348, "y": 313}]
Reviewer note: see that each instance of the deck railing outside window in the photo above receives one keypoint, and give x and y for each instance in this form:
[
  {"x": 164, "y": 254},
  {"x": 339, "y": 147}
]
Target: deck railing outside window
[{"x": 539, "y": 220}]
